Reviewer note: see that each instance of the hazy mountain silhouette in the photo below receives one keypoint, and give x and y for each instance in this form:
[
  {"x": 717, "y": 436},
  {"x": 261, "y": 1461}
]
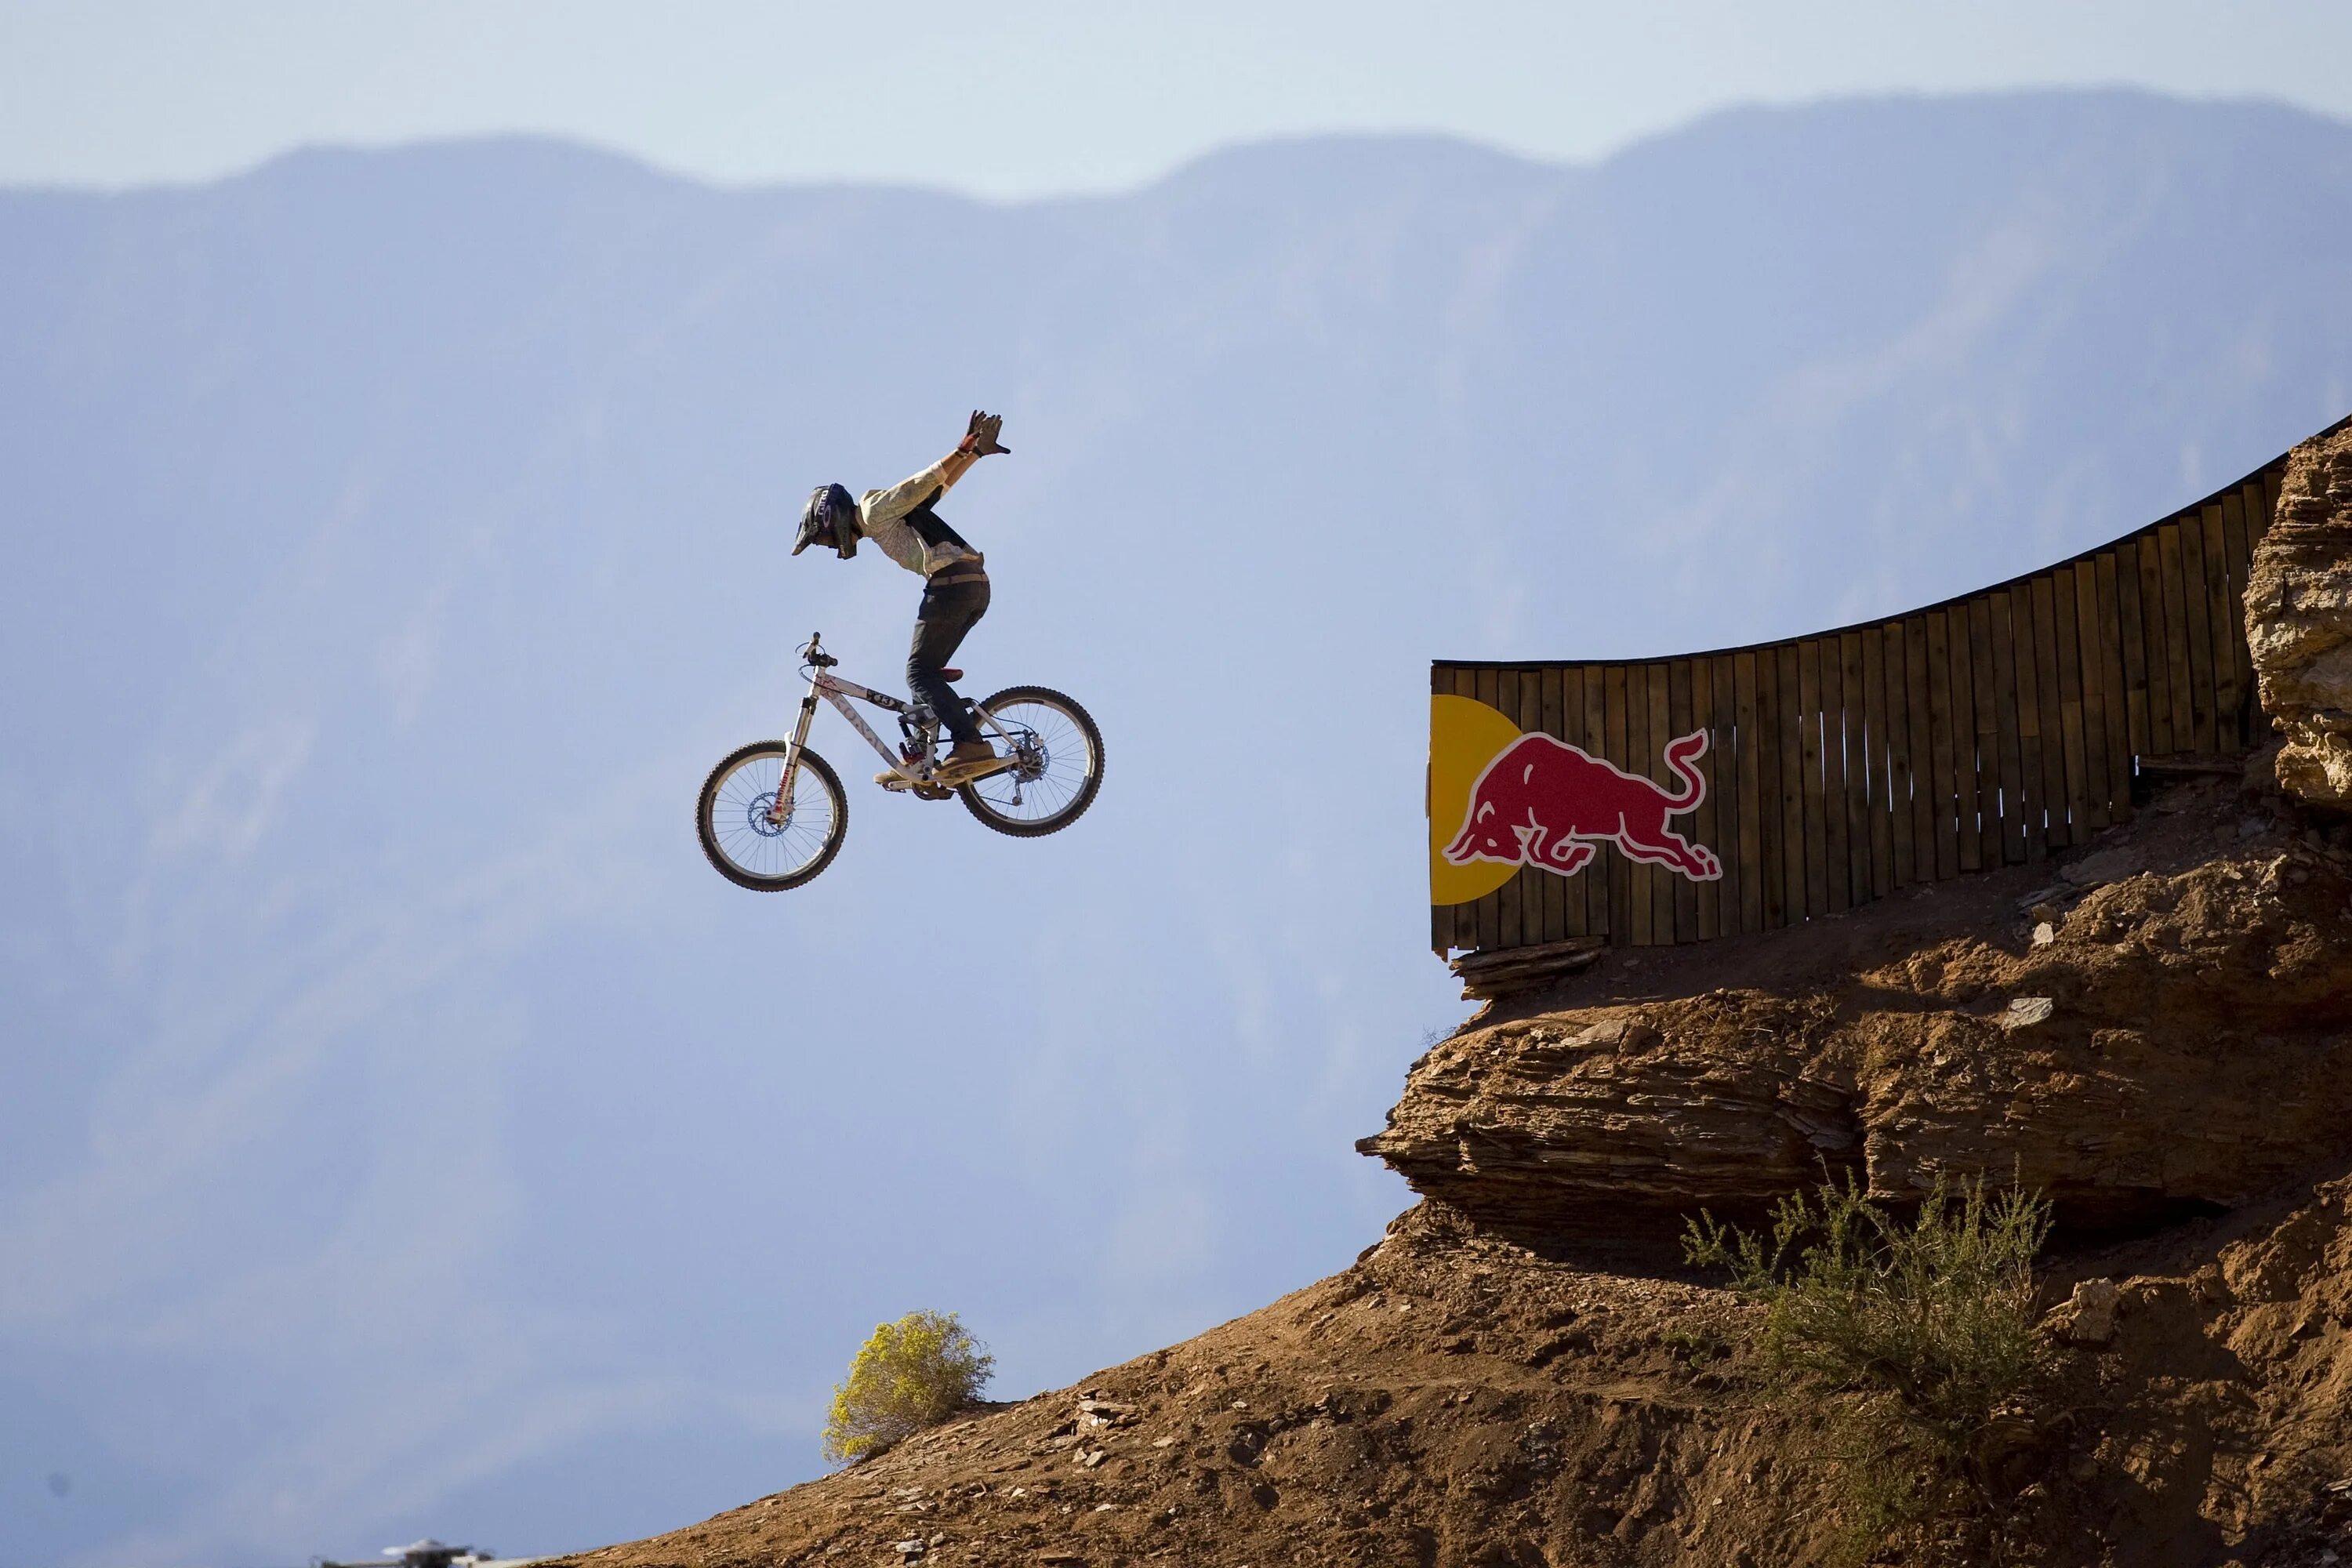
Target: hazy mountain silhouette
[{"x": 405, "y": 1130}]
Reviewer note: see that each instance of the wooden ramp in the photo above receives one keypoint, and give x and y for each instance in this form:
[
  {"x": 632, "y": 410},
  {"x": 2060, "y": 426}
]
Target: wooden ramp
[{"x": 1983, "y": 731}]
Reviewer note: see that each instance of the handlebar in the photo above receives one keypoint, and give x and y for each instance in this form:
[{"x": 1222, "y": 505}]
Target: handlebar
[{"x": 813, "y": 653}]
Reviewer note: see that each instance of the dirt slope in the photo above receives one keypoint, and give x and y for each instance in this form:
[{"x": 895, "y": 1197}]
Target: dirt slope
[
  {"x": 1520, "y": 1374},
  {"x": 1449, "y": 1399},
  {"x": 1454, "y": 1399}
]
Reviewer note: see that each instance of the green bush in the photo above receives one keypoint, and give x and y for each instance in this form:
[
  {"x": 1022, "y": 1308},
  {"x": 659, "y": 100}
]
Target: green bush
[
  {"x": 913, "y": 1374},
  {"x": 1913, "y": 1344}
]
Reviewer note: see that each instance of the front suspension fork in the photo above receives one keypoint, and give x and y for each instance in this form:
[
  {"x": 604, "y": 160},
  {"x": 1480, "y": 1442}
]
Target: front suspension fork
[{"x": 783, "y": 809}]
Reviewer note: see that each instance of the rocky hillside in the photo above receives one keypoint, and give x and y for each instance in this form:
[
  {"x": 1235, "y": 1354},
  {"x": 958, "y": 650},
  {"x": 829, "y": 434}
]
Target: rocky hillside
[{"x": 2155, "y": 1030}]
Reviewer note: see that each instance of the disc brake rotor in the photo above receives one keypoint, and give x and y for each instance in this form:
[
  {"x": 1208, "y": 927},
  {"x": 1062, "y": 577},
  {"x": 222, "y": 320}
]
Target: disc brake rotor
[{"x": 756, "y": 816}]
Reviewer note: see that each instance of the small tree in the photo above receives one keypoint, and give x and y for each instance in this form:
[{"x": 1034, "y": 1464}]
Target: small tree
[
  {"x": 913, "y": 1374},
  {"x": 1913, "y": 1343}
]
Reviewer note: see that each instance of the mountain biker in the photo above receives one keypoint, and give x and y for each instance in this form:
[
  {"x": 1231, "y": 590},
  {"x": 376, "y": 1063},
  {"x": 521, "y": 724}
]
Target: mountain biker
[{"x": 955, "y": 584}]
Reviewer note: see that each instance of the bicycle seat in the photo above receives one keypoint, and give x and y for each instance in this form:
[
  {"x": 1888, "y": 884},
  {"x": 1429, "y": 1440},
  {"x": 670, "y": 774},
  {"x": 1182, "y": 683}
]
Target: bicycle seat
[{"x": 951, "y": 676}]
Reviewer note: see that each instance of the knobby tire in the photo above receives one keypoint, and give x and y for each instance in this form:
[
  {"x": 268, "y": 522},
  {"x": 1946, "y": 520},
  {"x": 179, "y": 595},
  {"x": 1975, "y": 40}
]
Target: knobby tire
[
  {"x": 704, "y": 827},
  {"x": 1015, "y": 826}
]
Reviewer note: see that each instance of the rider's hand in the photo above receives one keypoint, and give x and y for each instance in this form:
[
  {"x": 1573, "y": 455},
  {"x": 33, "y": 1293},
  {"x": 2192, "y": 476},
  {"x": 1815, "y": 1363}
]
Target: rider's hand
[{"x": 980, "y": 437}]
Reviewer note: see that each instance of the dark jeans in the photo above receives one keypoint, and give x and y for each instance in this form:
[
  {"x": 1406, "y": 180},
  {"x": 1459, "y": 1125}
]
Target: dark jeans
[{"x": 949, "y": 611}]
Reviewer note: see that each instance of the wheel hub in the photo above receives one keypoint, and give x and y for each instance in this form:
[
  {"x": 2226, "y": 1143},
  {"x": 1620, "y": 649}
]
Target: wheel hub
[{"x": 757, "y": 816}]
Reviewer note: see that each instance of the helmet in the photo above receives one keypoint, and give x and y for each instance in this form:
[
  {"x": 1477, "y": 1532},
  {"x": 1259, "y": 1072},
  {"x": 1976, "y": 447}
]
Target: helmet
[{"x": 830, "y": 517}]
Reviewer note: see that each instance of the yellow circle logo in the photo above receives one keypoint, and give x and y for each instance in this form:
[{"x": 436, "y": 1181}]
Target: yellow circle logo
[{"x": 1464, "y": 735}]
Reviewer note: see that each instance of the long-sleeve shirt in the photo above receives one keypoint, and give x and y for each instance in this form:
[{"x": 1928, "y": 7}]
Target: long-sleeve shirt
[{"x": 882, "y": 516}]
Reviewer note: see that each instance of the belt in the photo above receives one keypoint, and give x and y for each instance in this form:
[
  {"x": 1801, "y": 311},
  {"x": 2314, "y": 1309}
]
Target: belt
[{"x": 956, "y": 572}]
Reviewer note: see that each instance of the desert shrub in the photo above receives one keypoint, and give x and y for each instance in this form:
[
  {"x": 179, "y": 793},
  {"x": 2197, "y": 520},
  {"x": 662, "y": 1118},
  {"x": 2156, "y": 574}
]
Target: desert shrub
[
  {"x": 913, "y": 1374},
  {"x": 1913, "y": 1344}
]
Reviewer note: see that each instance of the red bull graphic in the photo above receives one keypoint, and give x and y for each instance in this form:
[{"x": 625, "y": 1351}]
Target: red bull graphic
[{"x": 1543, "y": 801}]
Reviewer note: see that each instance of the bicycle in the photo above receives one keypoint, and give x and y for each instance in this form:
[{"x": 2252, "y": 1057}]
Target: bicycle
[{"x": 773, "y": 813}]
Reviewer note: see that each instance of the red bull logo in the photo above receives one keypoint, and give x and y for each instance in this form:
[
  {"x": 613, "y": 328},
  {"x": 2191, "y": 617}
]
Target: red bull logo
[
  {"x": 1545, "y": 802},
  {"x": 1500, "y": 799}
]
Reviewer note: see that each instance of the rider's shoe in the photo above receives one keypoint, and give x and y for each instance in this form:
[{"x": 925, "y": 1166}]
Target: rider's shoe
[{"x": 968, "y": 761}]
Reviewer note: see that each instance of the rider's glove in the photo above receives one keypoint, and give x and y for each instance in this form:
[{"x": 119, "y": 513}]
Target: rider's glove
[{"x": 980, "y": 437}]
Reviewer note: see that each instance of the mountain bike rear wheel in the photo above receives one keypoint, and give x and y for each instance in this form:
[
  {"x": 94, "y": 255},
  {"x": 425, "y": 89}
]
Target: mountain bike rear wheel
[
  {"x": 1059, "y": 765},
  {"x": 735, "y": 818}
]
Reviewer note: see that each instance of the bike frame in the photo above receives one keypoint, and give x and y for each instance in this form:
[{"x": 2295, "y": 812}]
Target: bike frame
[{"x": 823, "y": 683}]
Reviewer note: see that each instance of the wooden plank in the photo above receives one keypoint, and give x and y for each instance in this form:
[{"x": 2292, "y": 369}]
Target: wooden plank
[
  {"x": 1751, "y": 790},
  {"x": 1705, "y": 822},
  {"x": 2239, "y": 514},
  {"x": 1917, "y": 659},
  {"x": 2070, "y": 702},
  {"x": 2111, "y": 676},
  {"x": 1535, "y": 882},
  {"x": 1880, "y": 825},
  {"x": 1664, "y": 883},
  {"x": 1572, "y": 730},
  {"x": 1595, "y": 875},
  {"x": 1718, "y": 906},
  {"x": 2007, "y": 743},
  {"x": 1830, "y": 857},
  {"x": 2219, "y": 608},
  {"x": 1772, "y": 821},
  {"x": 1641, "y": 757},
  {"x": 1892, "y": 652},
  {"x": 1941, "y": 773},
  {"x": 2057, "y": 827},
  {"x": 2201, "y": 636},
  {"x": 2273, "y": 485},
  {"x": 2154, "y": 656},
  {"x": 2034, "y": 804},
  {"x": 1815, "y": 827},
  {"x": 2093, "y": 669},
  {"x": 1792, "y": 786},
  {"x": 2134, "y": 638},
  {"x": 1682, "y": 718},
  {"x": 1966, "y": 822},
  {"x": 1441, "y": 916},
  {"x": 1983, "y": 775},
  {"x": 2176, "y": 638},
  {"x": 1463, "y": 683},
  {"x": 1852, "y": 720},
  {"x": 1622, "y": 931},
  {"x": 1500, "y": 690},
  {"x": 1551, "y": 716},
  {"x": 2236, "y": 555}
]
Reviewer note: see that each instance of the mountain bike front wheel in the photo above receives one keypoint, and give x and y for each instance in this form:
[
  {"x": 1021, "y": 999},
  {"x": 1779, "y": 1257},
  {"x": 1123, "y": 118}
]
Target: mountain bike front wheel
[
  {"x": 1057, "y": 764},
  {"x": 752, "y": 844}
]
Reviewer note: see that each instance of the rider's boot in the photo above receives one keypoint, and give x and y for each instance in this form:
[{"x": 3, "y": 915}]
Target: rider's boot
[{"x": 968, "y": 761}]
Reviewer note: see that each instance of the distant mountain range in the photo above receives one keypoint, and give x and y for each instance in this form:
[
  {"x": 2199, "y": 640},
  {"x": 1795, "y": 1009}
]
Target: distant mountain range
[{"x": 402, "y": 1131}]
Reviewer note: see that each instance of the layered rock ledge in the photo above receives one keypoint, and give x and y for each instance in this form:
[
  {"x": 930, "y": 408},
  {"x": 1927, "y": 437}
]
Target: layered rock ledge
[{"x": 2156, "y": 1026}]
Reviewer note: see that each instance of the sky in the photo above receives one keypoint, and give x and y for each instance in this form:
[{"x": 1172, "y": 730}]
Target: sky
[
  {"x": 481, "y": 1027},
  {"x": 1028, "y": 98}
]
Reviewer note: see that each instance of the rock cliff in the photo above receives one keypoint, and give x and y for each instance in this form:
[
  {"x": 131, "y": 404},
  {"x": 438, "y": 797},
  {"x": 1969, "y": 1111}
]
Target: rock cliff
[{"x": 2299, "y": 620}]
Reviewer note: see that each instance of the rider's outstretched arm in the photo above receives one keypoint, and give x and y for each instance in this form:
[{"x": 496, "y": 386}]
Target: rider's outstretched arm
[{"x": 908, "y": 493}]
